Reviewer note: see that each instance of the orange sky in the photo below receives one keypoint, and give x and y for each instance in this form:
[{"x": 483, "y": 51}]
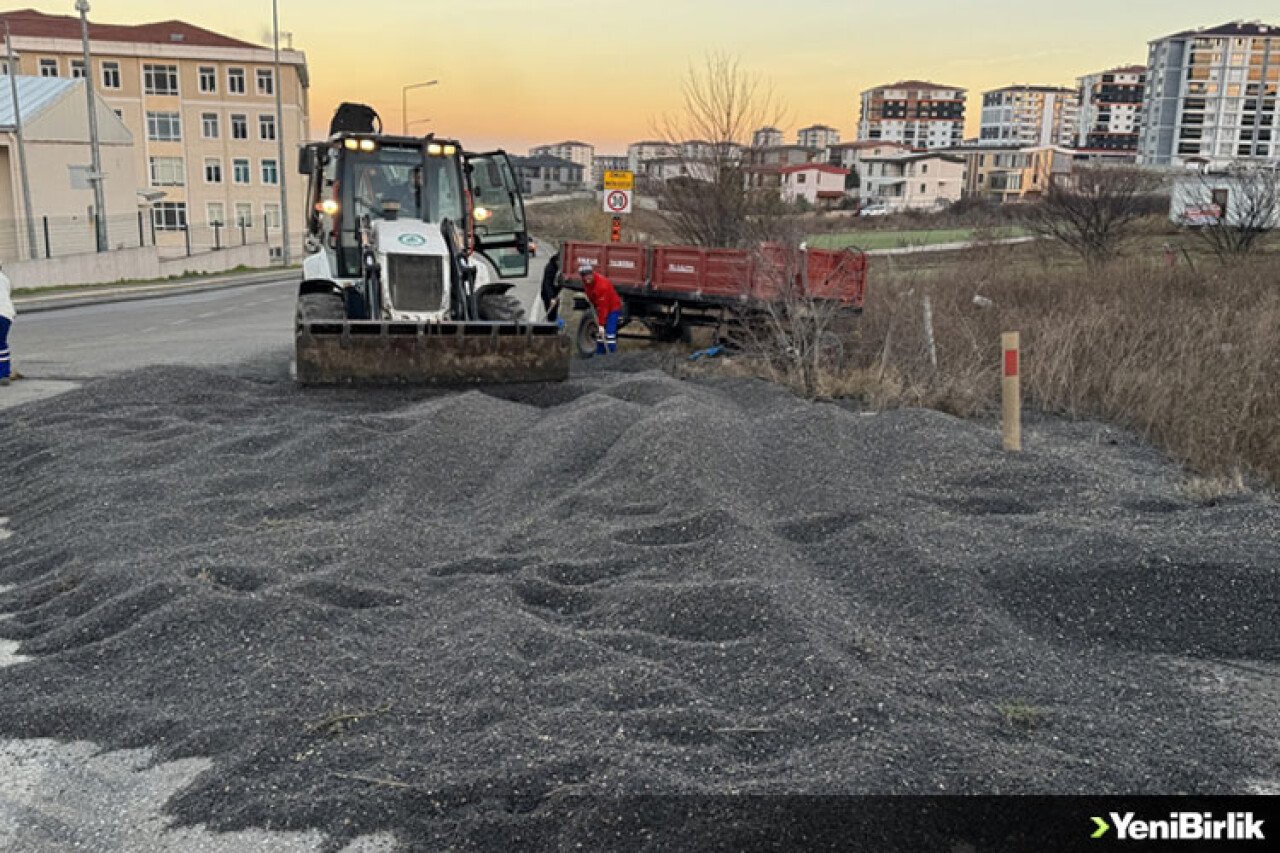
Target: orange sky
[{"x": 516, "y": 74}]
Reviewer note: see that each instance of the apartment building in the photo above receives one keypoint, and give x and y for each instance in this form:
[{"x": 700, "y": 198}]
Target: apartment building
[
  {"x": 922, "y": 115},
  {"x": 201, "y": 108},
  {"x": 1211, "y": 97},
  {"x": 817, "y": 136},
  {"x": 848, "y": 155},
  {"x": 639, "y": 153},
  {"x": 819, "y": 184},
  {"x": 602, "y": 163},
  {"x": 766, "y": 137},
  {"x": 1111, "y": 109},
  {"x": 543, "y": 174},
  {"x": 1030, "y": 115},
  {"x": 924, "y": 181},
  {"x": 1005, "y": 173},
  {"x": 571, "y": 150}
]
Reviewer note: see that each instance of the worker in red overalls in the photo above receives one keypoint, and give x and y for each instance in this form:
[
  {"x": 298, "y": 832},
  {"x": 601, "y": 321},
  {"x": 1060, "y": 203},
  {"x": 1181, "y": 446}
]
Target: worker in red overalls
[{"x": 608, "y": 307}]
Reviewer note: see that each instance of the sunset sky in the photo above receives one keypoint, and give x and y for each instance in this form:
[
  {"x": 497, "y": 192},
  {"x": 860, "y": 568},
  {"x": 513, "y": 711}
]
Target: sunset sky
[{"x": 516, "y": 74}]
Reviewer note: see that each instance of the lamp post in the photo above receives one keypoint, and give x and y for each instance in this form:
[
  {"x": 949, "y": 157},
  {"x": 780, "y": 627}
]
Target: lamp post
[
  {"x": 281, "y": 171},
  {"x": 417, "y": 121},
  {"x": 22, "y": 147},
  {"x": 404, "y": 103},
  {"x": 95, "y": 168}
]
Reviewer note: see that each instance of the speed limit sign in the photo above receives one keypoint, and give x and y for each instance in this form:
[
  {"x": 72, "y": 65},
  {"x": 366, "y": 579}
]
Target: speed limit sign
[{"x": 617, "y": 202}]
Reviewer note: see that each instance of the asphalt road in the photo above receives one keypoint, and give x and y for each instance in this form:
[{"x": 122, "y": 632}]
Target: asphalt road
[{"x": 58, "y": 350}]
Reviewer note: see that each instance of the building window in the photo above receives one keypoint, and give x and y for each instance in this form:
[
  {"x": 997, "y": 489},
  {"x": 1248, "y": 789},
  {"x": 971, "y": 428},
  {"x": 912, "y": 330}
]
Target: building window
[
  {"x": 266, "y": 82},
  {"x": 212, "y": 170},
  {"x": 240, "y": 172},
  {"x": 235, "y": 81},
  {"x": 209, "y": 125},
  {"x": 48, "y": 68},
  {"x": 266, "y": 127},
  {"x": 244, "y": 214},
  {"x": 77, "y": 69},
  {"x": 239, "y": 126},
  {"x": 271, "y": 215},
  {"x": 270, "y": 172},
  {"x": 111, "y": 75},
  {"x": 216, "y": 212},
  {"x": 208, "y": 78},
  {"x": 167, "y": 172},
  {"x": 169, "y": 215},
  {"x": 160, "y": 79},
  {"x": 164, "y": 127}
]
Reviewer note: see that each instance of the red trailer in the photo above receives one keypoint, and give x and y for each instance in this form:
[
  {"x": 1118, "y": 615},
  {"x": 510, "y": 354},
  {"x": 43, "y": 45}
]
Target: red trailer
[{"x": 669, "y": 289}]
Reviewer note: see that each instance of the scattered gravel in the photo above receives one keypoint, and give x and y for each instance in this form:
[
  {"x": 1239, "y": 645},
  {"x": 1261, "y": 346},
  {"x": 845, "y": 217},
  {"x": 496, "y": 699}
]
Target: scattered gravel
[{"x": 437, "y": 614}]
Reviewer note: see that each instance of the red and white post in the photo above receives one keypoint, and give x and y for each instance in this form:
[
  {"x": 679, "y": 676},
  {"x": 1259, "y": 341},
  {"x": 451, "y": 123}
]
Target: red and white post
[{"x": 1012, "y": 391}]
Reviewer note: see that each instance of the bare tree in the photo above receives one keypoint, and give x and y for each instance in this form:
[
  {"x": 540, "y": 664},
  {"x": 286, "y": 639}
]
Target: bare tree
[
  {"x": 1093, "y": 210},
  {"x": 1247, "y": 197},
  {"x": 708, "y": 203}
]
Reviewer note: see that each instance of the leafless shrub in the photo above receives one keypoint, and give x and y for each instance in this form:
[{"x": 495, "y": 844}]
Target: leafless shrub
[{"x": 1092, "y": 211}]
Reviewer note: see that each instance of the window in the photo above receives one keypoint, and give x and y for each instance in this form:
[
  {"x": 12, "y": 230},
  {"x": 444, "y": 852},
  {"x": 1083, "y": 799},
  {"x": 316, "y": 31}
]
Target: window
[
  {"x": 111, "y": 75},
  {"x": 270, "y": 172},
  {"x": 77, "y": 69},
  {"x": 244, "y": 214},
  {"x": 169, "y": 215},
  {"x": 235, "y": 81},
  {"x": 266, "y": 82},
  {"x": 271, "y": 215},
  {"x": 266, "y": 127},
  {"x": 160, "y": 79},
  {"x": 240, "y": 172},
  {"x": 208, "y": 78},
  {"x": 167, "y": 172},
  {"x": 239, "y": 126},
  {"x": 212, "y": 170},
  {"x": 48, "y": 68},
  {"x": 164, "y": 127},
  {"x": 209, "y": 125},
  {"x": 216, "y": 212}
]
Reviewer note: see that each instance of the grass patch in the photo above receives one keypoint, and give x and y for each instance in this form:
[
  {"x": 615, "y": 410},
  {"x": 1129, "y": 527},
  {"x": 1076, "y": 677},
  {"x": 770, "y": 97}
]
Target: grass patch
[
  {"x": 128, "y": 282},
  {"x": 873, "y": 240}
]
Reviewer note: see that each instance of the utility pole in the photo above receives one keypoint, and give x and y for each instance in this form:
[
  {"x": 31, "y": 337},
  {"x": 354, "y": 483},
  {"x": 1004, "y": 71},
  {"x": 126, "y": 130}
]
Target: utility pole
[
  {"x": 281, "y": 169},
  {"x": 95, "y": 168},
  {"x": 22, "y": 145}
]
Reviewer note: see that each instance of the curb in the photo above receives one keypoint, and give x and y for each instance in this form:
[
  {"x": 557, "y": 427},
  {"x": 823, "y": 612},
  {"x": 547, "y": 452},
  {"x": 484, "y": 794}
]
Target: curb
[{"x": 36, "y": 303}]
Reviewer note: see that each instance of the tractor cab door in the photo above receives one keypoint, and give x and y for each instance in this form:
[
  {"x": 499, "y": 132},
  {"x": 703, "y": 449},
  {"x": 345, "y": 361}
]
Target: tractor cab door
[{"x": 498, "y": 216}]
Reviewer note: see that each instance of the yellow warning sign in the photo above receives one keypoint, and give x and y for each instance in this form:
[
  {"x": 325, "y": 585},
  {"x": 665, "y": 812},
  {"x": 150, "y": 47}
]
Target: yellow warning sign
[{"x": 614, "y": 180}]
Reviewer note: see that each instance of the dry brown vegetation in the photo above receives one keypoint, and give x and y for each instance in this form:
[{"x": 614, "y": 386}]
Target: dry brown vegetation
[{"x": 1187, "y": 358}]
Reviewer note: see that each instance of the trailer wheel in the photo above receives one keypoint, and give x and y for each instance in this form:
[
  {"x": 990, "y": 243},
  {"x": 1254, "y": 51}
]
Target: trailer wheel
[
  {"x": 502, "y": 307},
  {"x": 585, "y": 339},
  {"x": 321, "y": 306}
]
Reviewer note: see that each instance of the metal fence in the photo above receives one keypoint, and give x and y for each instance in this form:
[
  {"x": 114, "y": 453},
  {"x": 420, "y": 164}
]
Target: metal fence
[{"x": 59, "y": 236}]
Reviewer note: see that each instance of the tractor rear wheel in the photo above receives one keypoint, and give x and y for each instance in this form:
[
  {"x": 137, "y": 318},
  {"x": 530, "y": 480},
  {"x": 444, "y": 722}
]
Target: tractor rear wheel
[{"x": 502, "y": 307}]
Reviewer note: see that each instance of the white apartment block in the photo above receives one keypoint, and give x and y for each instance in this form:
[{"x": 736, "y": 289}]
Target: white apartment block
[
  {"x": 915, "y": 182},
  {"x": 575, "y": 152},
  {"x": 766, "y": 137},
  {"x": 817, "y": 136},
  {"x": 1211, "y": 97},
  {"x": 1030, "y": 115},
  {"x": 922, "y": 115},
  {"x": 201, "y": 108},
  {"x": 1111, "y": 109},
  {"x": 602, "y": 163},
  {"x": 639, "y": 153}
]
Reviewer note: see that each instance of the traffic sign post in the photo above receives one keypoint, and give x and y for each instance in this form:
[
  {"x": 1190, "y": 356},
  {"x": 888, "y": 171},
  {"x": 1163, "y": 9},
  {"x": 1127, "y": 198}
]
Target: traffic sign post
[
  {"x": 617, "y": 202},
  {"x": 615, "y": 232}
]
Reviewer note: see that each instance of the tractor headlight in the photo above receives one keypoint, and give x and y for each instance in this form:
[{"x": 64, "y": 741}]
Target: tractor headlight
[
  {"x": 435, "y": 149},
  {"x": 368, "y": 145},
  {"x": 329, "y": 207},
  {"x": 482, "y": 213}
]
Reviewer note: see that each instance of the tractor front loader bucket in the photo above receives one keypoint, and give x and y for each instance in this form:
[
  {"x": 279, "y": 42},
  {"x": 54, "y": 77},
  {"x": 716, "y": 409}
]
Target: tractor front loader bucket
[{"x": 371, "y": 352}]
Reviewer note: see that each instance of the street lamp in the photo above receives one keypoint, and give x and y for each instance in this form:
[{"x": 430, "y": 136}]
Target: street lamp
[
  {"x": 404, "y": 103},
  {"x": 281, "y": 171},
  {"x": 95, "y": 168}
]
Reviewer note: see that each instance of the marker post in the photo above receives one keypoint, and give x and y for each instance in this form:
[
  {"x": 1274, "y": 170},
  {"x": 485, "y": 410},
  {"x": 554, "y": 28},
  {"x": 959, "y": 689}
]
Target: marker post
[{"x": 1011, "y": 388}]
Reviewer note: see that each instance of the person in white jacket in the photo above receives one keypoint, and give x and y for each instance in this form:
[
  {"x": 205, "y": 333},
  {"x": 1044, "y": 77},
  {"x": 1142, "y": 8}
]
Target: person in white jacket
[{"x": 7, "y": 313}]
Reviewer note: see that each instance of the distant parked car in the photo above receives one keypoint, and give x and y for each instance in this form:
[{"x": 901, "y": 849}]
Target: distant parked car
[{"x": 875, "y": 208}]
